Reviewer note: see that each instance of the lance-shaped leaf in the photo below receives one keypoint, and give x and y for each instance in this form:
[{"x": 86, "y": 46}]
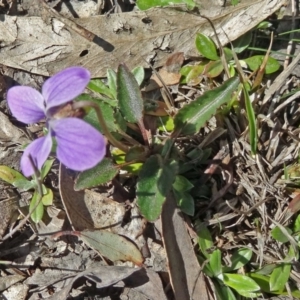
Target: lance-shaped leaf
[
  {"x": 15, "y": 178},
  {"x": 256, "y": 61},
  {"x": 37, "y": 214},
  {"x": 216, "y": 263},
  {"x": 205, "y": 240},
  {"x": 99, "y": 87},
  {"x": 11, "y": 176},
  {"x": 241, "y": 283},
  {"x": 223, "y": 292},
  {"x": 195, "y": 114},
  {"x": 100, "y": 174},
  {"x": 112, "y": 81},
  {"x": 154, "y": 183},
  {"x": 111, "y": 245},
  {"x": 280, "y": 276},
  {"x": 129, "y": 95},
  {"x": 139, "y": 74},
  {"x": 239, "y": 258},
  {"x": 206, "y": 46}
]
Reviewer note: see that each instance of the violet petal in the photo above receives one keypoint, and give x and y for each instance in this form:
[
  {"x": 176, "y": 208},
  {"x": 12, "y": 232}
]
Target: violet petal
[
  {"x": 26, "y": 104},
  {"x": 65, "y": 86},
  {"x": 79, "y": 145},
  {"x": 39, "y": 150}
]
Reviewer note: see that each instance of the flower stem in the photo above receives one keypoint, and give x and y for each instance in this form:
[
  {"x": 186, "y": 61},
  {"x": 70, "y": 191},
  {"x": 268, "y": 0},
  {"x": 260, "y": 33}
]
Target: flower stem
[
  {"x": 106, "y": 132},
  {"x": 128, "y": 138},
  {"x": 144, "y": 132}
]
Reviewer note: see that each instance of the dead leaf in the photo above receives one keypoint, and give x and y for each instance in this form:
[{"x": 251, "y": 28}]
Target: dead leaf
[
  {"x": 7, "y": 281},
  {"x": 103, "y": 276},
  {"x": 147, "y": 283},
  {"x": 8, "y": 211},
  {"x": 55, "y": 219},
  {"x": 111, "y": 245},
  {"x": 294, "y": 205},
  {"x": 184, "y": 269},
  {"x": 32, "y": 45},
  {"x": 9, "y": 132},
  {"x": 169, "y": 73},
  {"x": 157, "y": 108},
  {"x": 17, "y": 292},
  {"x": 88, "y": 209}
]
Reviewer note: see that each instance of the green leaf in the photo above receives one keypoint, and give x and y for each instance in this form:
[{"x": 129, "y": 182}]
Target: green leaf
[
  {"x": 11, "y": 176},
  {"x": 261, "y": 280},
  {"x": 295, "y": 293},
  {"x": 154, "y": 183},
  {"x": 279, "y": 236},
  {"x": 196, "y": 73},
  {"x": 194, "y": 115},
  {"x": 223, "y": 291},
  {"x": 199, "y": 155},
  {"x": 205, "y": 241},
  {"x": 241, "y": 283},
  {"x": 167, "y": 176},
  {"x": 232, "y": 71},
  {"x": 184, "y": 71},
  {"x": 88, "y": 97},
  {"x": 109, "y": 116},
  {"x": 119, "y": 157},
  {"x": 214, "y": 68},
  {"x": 112, "y": 82},
  {"x": 167, "y": 148},
  {"x": 129, "y": 95},
  {"x": 38, "y": 213},
  {"x": 256, "y": 61},
  {"x": 292, "y": 254},
  {"x": 297, "y": 224},
  {"x": 205, "y": 266},
  {"x": 47, "y": 167},
  {"x": 228, "y": 54},
  {"x": 215, "y": 263},
  {"x": 139, "y": 74},
  {"x": 264, "y": 25},
  {"x": 185, "y": 202},
  {"x": 166, "y": 123},
  {"x": 111, "y": 245},
  {"x": 133, "y": 168},
  {"x": 97, "y": 86},
  {"x": 266, "y": 269},
  {"x": 24, "y": 185},
  {"x": 251, "y": 120},
  {"x": 252, "y": 295},
  {"x": 243, "y": 42},
  {"x": 146, "y": 4},
  {"x": 240, "y": 258},
  {"x": 100, "y": 174},
  {"x": 47, "y": 197},
  {"x": 181, "y": 184},
  {"x": 206, "y": 47},
  {"x": 136, "y": 152},
  {"x": 280, "y": 276}
]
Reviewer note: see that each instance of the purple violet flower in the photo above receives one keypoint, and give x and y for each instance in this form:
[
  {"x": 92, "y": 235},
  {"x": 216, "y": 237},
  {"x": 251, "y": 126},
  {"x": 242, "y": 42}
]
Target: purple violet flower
[{"x": 79, "y": 145}]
